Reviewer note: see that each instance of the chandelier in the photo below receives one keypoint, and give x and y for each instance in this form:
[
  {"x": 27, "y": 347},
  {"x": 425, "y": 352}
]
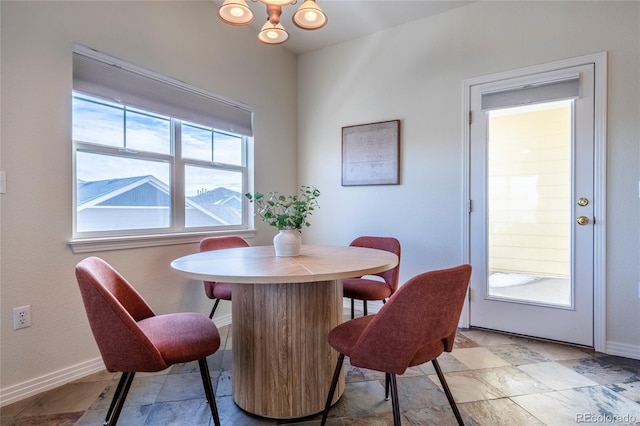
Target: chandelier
[{"x": 309, "y": 16}]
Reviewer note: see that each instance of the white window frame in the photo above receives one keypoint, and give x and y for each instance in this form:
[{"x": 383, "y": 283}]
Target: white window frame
[{"x": 177, "y": 233}]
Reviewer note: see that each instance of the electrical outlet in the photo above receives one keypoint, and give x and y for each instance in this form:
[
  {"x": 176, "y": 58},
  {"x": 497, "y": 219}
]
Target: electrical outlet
[{"x": 22, "y": 317}]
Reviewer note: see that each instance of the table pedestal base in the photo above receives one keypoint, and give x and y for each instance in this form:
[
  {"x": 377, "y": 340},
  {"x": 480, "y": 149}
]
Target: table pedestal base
[{"x": 282, "y": 363}]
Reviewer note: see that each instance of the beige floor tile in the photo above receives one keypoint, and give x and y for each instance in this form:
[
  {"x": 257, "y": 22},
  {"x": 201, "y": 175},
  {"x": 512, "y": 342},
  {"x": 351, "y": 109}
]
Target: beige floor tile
[
  {"x": 476, "y": 358},
  {"x": 69, "y": 398},
  {"x": 551, "y": 408},
  {"x": 448, "y": 363},
  {"x": 510, "y": 381},
  {"x": 556, "y": 376},
  {"x": 465, "y": 387},
  {"x": 14, "y": 409},
  {"x": 499, "y": 412}
]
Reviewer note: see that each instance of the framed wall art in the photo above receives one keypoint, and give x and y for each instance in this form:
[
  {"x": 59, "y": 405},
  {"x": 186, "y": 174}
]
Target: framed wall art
[{"x": 371, "y": 154}]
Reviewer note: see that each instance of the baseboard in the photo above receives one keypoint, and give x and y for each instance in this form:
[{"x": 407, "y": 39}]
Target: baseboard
[
  {"x": 623, "y": 349},
  {"x": 49, "y": 381}
]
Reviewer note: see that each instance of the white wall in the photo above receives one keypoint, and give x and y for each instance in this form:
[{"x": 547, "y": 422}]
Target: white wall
[
  {"x": 414, "y": 73},
  {"x": 181, "y": 39}
]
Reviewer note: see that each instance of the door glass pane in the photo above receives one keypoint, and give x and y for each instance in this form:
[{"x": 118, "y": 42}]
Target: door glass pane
[{"x": 529, "y": 203}]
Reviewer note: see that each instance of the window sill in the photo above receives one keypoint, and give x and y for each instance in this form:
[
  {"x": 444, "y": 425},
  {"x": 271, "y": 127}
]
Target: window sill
[{"x": 88, "y": 245}]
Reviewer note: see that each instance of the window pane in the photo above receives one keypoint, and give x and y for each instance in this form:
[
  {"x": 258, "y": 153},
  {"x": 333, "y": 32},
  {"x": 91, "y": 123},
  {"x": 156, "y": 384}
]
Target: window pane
[
  {"x": 97, "y": 122},
  {"x": 214, "y": 197},
  {"x": 147, "y": 132},
  {"x": 196, "y": 142},
  {"x": 227, "y": 149},
  {"x": 118, "y": 193}
]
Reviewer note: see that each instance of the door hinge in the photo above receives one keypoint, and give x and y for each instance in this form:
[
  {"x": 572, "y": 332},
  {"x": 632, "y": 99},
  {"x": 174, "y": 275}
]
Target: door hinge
[
  {"x": 469, "y": 294},
  {"x": 469, "y": 208},
  {"x": 470, "y": 117}
]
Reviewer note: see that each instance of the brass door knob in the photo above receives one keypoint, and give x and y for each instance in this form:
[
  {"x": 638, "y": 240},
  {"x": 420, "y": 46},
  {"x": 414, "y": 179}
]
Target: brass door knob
[{"x": 583, "y": 220}]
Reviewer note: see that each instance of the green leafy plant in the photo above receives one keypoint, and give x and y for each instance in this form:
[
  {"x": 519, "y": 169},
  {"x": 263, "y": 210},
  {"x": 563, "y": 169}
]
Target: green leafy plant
[{"x": 286, "y": 212}]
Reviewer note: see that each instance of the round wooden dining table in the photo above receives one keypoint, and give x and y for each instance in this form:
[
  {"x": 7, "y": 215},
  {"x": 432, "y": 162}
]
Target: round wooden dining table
[{"x": 282, "y": 311}]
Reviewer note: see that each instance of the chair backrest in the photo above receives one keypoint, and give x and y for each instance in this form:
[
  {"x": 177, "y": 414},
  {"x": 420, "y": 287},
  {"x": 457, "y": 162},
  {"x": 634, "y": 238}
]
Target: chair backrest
[
  {"x": 416, "y": 324},
  {"x": 390, "y": 244},
  {"x": 218, "y": 243},
  {"x": 113, "y": 307}
]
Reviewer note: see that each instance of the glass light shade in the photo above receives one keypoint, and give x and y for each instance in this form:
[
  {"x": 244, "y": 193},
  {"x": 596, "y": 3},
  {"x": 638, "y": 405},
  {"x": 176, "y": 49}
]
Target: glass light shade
[
  {"x": 273, "y": 34},
  {"x": 309, "y": 16},
  {"x": 235, "y": 12},
  {"x": 278, "y": 2}
]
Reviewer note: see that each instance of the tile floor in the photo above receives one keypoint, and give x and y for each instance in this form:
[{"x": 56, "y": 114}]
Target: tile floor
[{"x": 496, "y": 380}]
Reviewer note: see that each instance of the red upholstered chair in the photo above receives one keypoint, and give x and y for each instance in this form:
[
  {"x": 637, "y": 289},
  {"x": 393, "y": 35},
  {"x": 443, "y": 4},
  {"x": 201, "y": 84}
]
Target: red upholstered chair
[
  {"x": 132, "y": 338},
  {"x": 416, "y": 325},
  {"x": 215, "y": 290},
  {"x": 370, "y": 289}
]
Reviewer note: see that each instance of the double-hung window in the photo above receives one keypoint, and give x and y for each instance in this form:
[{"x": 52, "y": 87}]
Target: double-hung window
[{"x": 154, "y": 159}]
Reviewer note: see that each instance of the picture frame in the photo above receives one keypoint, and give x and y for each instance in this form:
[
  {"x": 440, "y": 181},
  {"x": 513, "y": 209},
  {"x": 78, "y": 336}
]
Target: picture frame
[{"x": 371, "y": 154}]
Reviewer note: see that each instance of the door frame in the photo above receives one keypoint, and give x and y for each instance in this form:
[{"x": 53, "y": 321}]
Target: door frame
[{"x": 600, "y": 185}]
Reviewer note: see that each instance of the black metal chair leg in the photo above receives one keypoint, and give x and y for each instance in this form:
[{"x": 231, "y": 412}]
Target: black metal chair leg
[
  {"x": 332, "y": 389},
  {"x": 118, "y": 398},
  {"x": 447, "y": 391},
  {"x": 352, "y": 308},
  {"x": 213, "y": 310},
  {"x": 394, "y": 400},
  {"x": 208, "y": 390},
  {"x": 364, "y": 303},
  {"x": 386, "y": 386}
]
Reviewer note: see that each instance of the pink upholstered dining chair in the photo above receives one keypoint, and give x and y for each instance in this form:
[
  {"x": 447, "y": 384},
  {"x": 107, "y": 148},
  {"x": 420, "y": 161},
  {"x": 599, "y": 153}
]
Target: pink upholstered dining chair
[
  {"x": 132, "y": 338},
  {"x": 370, "y": 289},
  {"x": 215, "y": 290},
  {"x": 416, "y": 325}
]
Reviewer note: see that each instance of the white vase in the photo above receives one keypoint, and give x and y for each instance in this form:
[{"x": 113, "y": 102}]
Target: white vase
[{"x": 287, "y": 243}]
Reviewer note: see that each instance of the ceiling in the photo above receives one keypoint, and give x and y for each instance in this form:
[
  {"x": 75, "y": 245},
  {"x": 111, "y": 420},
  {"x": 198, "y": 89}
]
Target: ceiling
[{"x": 351, "y": 19}]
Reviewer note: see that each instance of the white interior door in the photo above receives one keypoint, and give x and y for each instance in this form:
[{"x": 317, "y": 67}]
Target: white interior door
[{"x": 531, "y": 188}]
